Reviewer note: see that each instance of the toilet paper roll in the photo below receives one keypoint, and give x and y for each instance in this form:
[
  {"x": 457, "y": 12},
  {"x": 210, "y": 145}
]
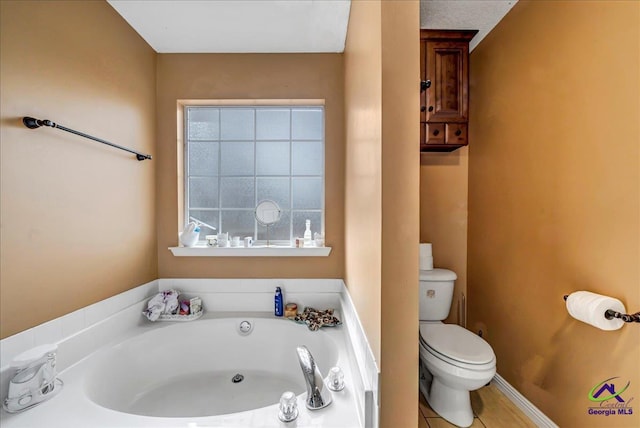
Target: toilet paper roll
[
  {"x": 590, "y": 308},
  {"x": 426, "y": 257}
]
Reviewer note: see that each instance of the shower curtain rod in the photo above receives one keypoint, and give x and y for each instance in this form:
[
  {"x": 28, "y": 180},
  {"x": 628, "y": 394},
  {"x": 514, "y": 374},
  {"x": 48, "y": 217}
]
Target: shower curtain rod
[{"x": 32, "y": 123}]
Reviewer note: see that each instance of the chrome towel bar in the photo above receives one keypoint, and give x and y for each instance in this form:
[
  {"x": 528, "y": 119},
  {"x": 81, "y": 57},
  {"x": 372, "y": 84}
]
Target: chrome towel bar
[{"x": 33, "y": 123}]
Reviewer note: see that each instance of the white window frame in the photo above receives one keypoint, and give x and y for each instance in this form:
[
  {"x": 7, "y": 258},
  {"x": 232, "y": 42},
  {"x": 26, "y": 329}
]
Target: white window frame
[{"x": 183, "y": 160}]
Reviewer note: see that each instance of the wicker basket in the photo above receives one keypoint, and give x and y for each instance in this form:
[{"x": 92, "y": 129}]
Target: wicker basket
[{"x": 190, "y": 317}]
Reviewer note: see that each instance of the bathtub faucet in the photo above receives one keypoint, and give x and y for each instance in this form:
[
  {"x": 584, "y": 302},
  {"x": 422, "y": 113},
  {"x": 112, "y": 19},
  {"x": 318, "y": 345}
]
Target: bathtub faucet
[{"x": 318, "y": 395}]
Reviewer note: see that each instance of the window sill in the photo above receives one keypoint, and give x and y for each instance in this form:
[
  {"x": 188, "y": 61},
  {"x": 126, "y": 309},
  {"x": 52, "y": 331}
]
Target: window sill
[{"x": 201, "y": 251}]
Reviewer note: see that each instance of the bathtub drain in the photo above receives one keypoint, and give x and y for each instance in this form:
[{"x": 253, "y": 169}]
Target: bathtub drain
[{"x": 237, "y": 378}]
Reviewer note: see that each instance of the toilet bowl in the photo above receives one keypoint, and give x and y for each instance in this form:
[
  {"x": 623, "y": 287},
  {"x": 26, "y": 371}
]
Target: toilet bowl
[
  {"x": 454, "y": 364},
  {"x": 453, "y": 360}
]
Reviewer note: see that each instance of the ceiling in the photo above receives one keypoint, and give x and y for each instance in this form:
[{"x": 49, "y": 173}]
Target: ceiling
[
  {"x": 241, "y": 26},
  {"x": 480, "y": 15},
  {"x": 281, "y": 26}
]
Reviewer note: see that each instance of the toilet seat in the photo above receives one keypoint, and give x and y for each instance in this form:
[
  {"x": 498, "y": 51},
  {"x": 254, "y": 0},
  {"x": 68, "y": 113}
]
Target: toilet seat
[{"x": 456, "y": 346}]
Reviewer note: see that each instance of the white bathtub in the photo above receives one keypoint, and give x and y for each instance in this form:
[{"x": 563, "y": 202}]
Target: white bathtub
[
  {"x": 127, "y": 372},
  {"x": 189, "y": 369}
]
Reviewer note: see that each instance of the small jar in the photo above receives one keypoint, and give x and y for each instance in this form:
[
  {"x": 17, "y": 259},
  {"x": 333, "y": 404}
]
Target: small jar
[
  {"x": 290, "y": 310},
  {"x": 212, "y": 240}
]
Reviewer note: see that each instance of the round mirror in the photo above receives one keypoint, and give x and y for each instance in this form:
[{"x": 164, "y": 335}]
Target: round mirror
[{"x": 268, "y": 212}]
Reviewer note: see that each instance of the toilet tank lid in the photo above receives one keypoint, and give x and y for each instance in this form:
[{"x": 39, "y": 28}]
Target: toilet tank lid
[{"x": 438, "y": 275}]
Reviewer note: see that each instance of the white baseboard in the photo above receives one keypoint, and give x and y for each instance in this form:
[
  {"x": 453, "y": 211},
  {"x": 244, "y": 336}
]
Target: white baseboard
[{"x": 535, "y": 414}]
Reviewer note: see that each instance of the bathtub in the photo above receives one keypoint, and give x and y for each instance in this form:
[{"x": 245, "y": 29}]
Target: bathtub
[
  {"x": 204, "y": 373},
  {"x": 207, "y": 368}
]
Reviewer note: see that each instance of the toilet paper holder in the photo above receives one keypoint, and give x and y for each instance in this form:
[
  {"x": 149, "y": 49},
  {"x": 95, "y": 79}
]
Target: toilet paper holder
[{"x": 611, "y": 314}]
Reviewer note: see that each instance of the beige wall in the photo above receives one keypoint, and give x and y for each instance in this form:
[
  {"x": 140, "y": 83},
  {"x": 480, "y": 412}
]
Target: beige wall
[
  {"x": 250, "y": 76},
  {"x": 363, "y": 183},
  {"x": 554, "y": 199},
  {"x": 400, "y": 213},
  {"x": 443, "y": 216},
  {"x": 382, "y": 193},
  {"x": 78, "y": 221}
]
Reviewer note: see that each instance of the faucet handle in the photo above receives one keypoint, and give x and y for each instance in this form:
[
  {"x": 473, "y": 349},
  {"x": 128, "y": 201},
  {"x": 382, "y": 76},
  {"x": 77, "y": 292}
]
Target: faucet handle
[
  {"x": 336, "y": 379},
  {"x": 288, "y": 407}
]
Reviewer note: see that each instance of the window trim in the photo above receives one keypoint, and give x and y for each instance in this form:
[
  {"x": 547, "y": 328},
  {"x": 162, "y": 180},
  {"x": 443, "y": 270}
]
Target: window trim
[
  {"x": 181, "y": 140},
  {"x": 272, "y": 251}
]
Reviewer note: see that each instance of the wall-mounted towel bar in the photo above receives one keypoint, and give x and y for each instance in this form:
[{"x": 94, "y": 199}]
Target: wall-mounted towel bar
[{"x": 32, "y": 123}]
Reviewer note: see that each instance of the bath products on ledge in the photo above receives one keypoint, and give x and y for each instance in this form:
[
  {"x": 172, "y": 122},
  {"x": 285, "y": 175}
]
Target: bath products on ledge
[
  {"x": 307, "y": 234},
  {"x": 184, "y": 307},
  {"x": 314, "y": 319},
  {"x": 190, "y": 234},
  {"x": 195, "y": 305},
  {"x": 290, "y": 310},
  {"x": 279, "y": 303},
  {"x": 164, "y": 302},
  {"x": 165, "y": 306}
]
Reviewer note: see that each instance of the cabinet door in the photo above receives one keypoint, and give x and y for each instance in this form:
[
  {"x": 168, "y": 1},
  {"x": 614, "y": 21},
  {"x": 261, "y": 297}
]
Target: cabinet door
[
  {"x": 423, "y": 82},
  {"x": 447, "y": 69}
]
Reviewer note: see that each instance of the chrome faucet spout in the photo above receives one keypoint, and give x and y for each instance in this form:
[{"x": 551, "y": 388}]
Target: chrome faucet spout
[{"x": 318, "y": 395}]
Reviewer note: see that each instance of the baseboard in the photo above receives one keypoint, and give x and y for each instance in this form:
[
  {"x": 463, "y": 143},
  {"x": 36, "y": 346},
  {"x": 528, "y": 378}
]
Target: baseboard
[{"x": 535, "y": 414}]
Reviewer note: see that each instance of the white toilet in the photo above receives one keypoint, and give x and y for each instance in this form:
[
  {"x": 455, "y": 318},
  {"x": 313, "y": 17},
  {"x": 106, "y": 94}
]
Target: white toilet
[{"x": 453, "y": 361}]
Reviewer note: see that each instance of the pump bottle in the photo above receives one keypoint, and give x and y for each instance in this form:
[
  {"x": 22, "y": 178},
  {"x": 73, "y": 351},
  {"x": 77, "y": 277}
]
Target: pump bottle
[{"x": 307, "y": 234}]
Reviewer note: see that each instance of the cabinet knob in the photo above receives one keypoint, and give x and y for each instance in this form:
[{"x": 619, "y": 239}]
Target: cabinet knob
[
  {"x": 436, "y": 132},
  {"x": 430, "y": 108},
  {"x": 458, "y": 132},
  {"x": 422, "y": 108},
  {"x": 424, "y": 85}
]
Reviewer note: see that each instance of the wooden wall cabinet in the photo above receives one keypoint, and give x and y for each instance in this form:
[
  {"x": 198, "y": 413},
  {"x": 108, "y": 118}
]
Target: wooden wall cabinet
[{"x": 444, "y": 89}]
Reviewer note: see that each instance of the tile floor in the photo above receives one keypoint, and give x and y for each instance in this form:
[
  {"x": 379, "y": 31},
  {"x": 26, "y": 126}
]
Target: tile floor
[{"x": 492, "y": 409}]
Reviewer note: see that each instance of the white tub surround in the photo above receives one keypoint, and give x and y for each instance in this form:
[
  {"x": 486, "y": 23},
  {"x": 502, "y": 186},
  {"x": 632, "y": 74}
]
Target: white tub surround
[{"x": 110, "y": 348}]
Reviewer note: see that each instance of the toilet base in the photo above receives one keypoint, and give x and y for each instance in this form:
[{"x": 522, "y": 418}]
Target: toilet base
[{"x": 454, "y": 405}]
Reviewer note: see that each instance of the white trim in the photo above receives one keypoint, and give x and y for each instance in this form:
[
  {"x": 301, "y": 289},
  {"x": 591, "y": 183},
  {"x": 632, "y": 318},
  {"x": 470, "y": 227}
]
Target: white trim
[
  {"x": 535, "y": 414},
  {"x": 367, "y": 395},
  {"x": 250, "y": 252},
  {"x": 277, "y": 102}
]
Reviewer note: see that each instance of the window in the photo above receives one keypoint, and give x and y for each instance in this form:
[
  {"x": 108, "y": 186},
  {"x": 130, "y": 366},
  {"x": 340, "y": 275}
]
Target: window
[{"x": 237, "y": 156}]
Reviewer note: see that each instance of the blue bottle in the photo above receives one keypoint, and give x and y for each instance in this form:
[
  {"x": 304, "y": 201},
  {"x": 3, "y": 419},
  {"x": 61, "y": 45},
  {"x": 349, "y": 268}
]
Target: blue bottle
[{"x": 279, "y": 305}]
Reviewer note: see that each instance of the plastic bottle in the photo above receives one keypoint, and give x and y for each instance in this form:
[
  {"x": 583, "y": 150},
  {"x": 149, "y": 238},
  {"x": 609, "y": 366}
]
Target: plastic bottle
[
  {"x": 279, "y": 305},
  {"x": 307, "y": 234}
]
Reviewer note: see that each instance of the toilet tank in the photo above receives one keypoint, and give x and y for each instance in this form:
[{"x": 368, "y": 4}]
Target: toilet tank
[{"x": 436, "y": 294}]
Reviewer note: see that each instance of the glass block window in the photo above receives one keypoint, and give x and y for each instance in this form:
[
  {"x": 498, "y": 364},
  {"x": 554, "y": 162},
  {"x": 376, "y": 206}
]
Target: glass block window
[{"x": 237, "y": 156}]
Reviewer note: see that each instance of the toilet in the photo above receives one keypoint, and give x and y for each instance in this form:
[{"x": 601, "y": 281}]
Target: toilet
[{"x": 453, "y": 360}]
